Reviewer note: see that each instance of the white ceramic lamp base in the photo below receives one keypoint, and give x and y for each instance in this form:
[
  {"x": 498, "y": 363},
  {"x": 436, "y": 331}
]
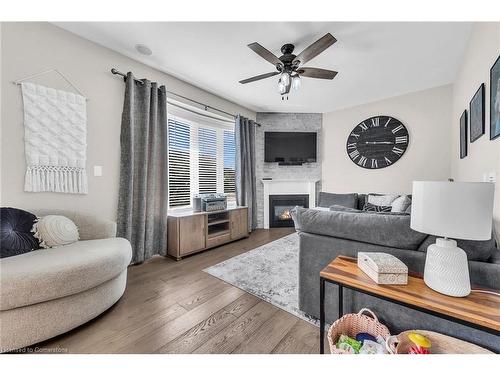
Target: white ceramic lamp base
[{"x": 446, "y": 268}]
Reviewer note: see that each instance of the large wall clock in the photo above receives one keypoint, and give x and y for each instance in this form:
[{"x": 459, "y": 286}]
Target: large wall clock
[{"x": 377, "y": 142}]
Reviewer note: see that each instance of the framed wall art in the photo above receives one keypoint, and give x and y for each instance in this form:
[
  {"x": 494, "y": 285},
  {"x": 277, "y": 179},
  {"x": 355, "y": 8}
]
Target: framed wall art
[{"x": 476, "y": 113}]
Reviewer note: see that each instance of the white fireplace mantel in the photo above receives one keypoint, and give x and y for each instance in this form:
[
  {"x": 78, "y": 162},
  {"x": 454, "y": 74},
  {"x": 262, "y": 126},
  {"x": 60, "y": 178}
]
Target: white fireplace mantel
[{"x": 287, "y": 187}]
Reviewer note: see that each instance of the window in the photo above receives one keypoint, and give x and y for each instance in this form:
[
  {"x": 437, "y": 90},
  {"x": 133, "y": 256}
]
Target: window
[
  {"x": 201, "y": 160},
  {"x": 229, "y": 164}
]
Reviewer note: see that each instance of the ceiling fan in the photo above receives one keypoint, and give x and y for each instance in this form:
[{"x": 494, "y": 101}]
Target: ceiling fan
[{"x": 291, "y": 67}]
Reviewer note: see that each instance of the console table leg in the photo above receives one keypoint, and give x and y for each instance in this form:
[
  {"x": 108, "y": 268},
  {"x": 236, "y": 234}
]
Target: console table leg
[
  {"x": 322, "y": 316},
  {"x": 341, "y": 301}
]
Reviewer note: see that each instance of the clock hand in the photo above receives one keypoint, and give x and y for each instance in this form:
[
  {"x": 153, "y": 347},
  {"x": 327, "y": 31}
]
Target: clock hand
[{"x": 379, "y": 143}]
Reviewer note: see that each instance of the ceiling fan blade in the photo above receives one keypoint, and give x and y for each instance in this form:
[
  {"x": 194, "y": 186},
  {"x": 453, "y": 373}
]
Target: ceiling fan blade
[
  {"x": 265, "y": 54},
  {"x": 261, "y": 76},
  {"x": 315, "y": 49},
  {"x": 317, "y": 73}
]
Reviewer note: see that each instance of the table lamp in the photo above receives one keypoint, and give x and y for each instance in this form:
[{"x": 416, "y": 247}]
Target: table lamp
[{"x": 461, "y": 210}]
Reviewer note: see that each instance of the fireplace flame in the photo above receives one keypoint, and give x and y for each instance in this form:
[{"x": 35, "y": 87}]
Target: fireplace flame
[{"x": 285, "y": 215}]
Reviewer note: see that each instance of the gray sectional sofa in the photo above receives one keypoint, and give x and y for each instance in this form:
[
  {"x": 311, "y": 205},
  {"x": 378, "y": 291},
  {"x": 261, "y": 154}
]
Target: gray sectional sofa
[{"x": 325, "y": 234}]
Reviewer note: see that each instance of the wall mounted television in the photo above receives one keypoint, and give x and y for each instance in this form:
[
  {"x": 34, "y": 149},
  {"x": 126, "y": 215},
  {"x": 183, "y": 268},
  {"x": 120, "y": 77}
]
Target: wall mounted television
[{"x": 290, "y": 148}]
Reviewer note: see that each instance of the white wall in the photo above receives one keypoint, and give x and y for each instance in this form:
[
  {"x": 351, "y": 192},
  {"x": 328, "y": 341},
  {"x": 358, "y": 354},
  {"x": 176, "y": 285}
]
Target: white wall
[
  {"x": 426, "y": 115},
  {"x": 29, "y": 48},
  {"x": 483, "y": 155}
]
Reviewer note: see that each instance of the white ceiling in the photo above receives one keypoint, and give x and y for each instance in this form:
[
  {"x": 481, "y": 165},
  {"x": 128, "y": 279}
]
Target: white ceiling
[{"x": 375, "y": 60}]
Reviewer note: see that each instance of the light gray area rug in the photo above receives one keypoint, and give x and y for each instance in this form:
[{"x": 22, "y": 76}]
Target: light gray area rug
[{"x": 270, "y": 272}]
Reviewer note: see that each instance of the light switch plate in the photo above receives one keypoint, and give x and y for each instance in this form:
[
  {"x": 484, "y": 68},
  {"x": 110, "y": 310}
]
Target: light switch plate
[
  {"x": 97, "y": 170},
  {"x": 492, "y": 176}
]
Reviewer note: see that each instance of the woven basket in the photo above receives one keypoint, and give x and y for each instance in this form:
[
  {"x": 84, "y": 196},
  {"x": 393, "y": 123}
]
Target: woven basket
[{"x": 352, "y": 324}]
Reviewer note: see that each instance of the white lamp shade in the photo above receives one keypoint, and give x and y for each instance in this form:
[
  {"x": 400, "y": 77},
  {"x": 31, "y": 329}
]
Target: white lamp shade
[{"x": 462, "y": 210}]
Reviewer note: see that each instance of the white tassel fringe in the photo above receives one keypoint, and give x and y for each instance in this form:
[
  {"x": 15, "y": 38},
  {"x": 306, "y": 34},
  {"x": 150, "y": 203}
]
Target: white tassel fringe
[{"x": 55, "y": 178}]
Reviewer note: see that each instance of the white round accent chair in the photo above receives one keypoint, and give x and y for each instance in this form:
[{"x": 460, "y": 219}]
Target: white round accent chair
[{"x": 47, "y": 292}]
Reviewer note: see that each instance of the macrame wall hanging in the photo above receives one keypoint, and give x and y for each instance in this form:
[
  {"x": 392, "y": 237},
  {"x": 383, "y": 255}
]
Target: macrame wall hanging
[{"x": 55, "y": 128}]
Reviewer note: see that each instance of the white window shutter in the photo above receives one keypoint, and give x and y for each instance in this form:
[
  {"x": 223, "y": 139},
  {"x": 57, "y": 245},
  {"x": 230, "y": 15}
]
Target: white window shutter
[{"x": 201, "y": 160}]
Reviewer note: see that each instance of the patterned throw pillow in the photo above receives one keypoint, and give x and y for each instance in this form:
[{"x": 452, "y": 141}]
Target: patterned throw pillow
[
  {"x": 55, "y": 230},
  {"x": 374, "y": 208}
]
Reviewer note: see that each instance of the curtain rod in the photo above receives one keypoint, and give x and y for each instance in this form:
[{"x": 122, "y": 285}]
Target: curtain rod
[{"x": 206, "y": 106}]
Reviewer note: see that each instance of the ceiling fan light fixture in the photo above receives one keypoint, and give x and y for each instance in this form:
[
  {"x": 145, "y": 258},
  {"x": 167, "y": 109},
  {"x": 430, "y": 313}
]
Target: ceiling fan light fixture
[
  {"x": 296, "y": 82},
  {"x": 281, "y": 87},
  {"x": 285, "y": 78}
]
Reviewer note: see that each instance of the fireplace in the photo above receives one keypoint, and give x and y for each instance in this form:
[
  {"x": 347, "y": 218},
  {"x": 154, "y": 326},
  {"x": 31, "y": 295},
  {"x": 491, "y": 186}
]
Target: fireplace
[{"x": 280, "y": 207}]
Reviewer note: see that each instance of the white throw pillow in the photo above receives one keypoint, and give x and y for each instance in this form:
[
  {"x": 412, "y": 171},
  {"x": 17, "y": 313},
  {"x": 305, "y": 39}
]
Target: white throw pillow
[
  {"x": 55, "y": 230},
  {"x": 400, "y": 204},
  {"x": 382, "y": 200}
]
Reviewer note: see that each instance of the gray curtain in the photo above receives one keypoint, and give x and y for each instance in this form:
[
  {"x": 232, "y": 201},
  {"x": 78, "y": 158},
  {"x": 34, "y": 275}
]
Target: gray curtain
[
  {"x": 143, "y": 193},
  {"x": 245, "y": 168}
]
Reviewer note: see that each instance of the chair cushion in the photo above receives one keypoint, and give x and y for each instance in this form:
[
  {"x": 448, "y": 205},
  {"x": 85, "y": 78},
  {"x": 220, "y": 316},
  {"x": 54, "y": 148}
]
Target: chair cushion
[
  {"x": 331, "y": 199},
  {"x": 48, "y": 274},
  {"x": 15, "y": 232}
]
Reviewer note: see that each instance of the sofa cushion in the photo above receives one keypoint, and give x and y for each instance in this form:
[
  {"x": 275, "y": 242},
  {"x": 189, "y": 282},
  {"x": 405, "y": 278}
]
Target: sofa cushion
[
  {"x": 48, "y": 274},
  {"x": 385, "y": 230},
  {"x": 15, "y": 232},
  {"x": 330, "y": 199},
  {"x": 476, "y": 250}
]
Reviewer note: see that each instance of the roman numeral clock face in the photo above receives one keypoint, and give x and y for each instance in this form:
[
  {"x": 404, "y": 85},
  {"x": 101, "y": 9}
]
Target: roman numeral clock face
[{"x": 377, "y": 142}]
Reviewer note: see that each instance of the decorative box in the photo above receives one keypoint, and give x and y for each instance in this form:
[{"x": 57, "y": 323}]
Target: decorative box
[{"x": 383, "y": 268}]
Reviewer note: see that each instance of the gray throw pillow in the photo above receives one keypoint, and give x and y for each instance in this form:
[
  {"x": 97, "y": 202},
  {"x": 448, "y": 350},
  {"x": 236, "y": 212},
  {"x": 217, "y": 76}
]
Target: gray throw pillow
[
  {"x": 332, "y": 199},
  {"x": 339, "y": 208}
]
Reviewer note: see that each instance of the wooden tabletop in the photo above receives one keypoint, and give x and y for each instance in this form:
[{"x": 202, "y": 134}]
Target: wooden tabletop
[{"x": 478, "y": 308}]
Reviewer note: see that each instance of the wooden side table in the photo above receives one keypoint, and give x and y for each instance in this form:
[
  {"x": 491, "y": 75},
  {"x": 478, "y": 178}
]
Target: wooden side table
[{"x": 478, "y": 310}]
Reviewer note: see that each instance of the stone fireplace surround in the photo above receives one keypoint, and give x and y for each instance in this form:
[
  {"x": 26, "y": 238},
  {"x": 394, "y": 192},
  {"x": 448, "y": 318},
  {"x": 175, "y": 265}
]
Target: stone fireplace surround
[{"x": 301, "y": 122}]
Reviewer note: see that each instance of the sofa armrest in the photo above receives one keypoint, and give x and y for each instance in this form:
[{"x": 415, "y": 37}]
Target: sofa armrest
[
  {"x": 484, "y": 274},
  {"x": 384, "y": 230}
]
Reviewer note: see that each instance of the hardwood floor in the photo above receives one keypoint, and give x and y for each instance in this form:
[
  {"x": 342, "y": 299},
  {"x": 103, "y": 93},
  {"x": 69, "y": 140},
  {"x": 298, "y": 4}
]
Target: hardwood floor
[{"x": 175, "y": 307}]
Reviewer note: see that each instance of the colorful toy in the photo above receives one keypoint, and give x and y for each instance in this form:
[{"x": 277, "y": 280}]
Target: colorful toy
[
  {"x": 422, "y": 344},
  {"x": 348, "y": 344}
]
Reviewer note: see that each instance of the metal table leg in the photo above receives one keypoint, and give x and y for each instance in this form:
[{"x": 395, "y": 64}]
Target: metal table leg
[
  {"x": 322, "y": 316},
  {"x": 341, "y": 301}
]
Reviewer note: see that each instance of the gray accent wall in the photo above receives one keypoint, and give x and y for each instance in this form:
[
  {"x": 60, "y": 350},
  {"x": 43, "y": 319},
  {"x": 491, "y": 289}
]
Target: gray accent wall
[{"x": 299, "y": 122}]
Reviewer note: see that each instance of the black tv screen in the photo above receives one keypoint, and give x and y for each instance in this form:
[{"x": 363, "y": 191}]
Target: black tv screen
[{"x": 290, "y": 147}]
